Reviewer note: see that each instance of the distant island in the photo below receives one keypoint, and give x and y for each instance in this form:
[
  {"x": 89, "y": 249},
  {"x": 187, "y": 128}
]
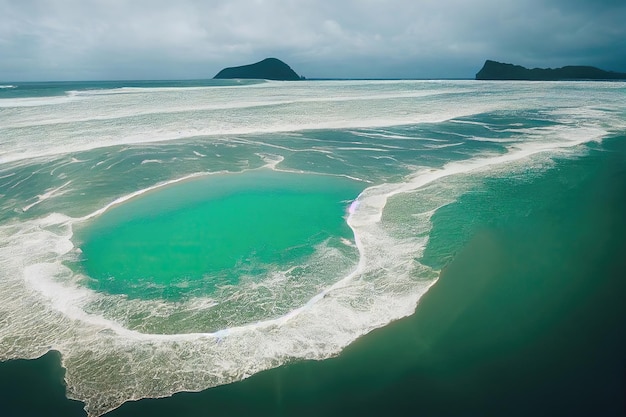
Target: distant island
[
  {"x": 493, "y": 70},
  {"x": 268, "y": 69}
]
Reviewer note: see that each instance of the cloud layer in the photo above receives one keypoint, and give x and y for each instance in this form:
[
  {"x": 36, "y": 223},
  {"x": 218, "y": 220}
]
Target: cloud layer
[{"x": 157, "y": 39}]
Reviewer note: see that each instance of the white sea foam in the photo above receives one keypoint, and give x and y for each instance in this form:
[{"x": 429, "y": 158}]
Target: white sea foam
[
  {"x": 365, "y": 299},
  {"x": 447, "y": 145},
  {"x": 383, "y": 135},
  {"x": 125, "y": 198},
  {"x": 178, "y": 104},
  {"x": 11, "y": 174},
  {"x": 271, "y": 161},
  {"x": 110, "y": 358},
  {"x": 148, "y": 90},
  {"x": 34, "y": 102},
  {"x": 48, "y": 194},
  {"x": 109, "y": 120}
]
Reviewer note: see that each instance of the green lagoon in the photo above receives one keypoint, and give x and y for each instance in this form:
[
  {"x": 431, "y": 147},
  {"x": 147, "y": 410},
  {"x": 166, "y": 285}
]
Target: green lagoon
[{"x": 205, "y": 232}]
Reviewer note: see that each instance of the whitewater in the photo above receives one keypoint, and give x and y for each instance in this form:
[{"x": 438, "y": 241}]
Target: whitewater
[{"x": 398, "y": 150}]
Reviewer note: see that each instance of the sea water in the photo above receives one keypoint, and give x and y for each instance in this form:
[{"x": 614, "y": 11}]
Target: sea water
[{"x": 171, "y": 237}]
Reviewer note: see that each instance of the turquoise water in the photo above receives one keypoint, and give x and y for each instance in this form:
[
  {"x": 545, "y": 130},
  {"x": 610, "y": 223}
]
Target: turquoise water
[
  {"x": 168, "y": 237},
  {"x": 193, "y": 237}
]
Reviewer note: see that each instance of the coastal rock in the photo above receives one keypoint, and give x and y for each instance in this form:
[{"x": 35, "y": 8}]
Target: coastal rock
[
  {"x": 268, "y": 69},
  {"x": 493, "y": 70}
]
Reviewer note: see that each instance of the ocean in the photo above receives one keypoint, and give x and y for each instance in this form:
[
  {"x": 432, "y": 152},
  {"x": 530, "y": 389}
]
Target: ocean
[{"x": 389, "y": 247}]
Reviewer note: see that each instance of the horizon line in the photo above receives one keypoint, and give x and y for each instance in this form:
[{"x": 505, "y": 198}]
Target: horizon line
[{"x": 9, "y": 82}]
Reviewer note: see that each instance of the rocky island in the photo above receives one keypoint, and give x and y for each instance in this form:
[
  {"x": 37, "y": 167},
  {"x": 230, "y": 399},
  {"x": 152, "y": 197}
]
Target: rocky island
[
  {"x": 268, "y": 69},
  {"x": 493, "y": 70}
]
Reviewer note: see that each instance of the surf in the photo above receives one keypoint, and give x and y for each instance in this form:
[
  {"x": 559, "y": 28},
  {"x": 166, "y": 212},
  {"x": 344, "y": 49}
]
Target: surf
[{"x": 310, "y": 306}]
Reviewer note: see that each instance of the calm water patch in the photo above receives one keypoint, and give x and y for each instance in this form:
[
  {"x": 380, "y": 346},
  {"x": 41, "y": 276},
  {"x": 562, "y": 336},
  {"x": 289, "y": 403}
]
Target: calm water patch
[{"x": 207, "y": 232}]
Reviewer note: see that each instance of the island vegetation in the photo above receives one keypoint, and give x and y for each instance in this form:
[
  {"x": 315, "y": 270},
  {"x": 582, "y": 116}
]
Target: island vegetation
[
  {"x": 493, "y": 70},
  {"x": 267, "y": 69}
]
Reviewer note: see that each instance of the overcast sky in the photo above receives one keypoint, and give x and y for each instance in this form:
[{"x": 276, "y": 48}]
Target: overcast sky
[{"x": 181, "y": 39}]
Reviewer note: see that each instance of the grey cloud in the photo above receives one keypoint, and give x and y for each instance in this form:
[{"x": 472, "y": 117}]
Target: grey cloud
[{"x": 368, "y": 38}]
